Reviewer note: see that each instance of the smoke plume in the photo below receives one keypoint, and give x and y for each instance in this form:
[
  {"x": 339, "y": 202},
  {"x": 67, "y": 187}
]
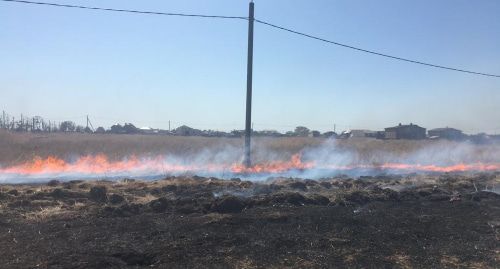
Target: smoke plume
[{"x": 325, "y": 160}]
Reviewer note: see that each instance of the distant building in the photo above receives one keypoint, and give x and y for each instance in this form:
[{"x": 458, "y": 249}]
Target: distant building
[
  {"x": 377, "y": 135},
  {"x": 365, "y": 133},
  {"x": 447, "y": 133},
  {"x": 344, "y": 135},
  {"x": 359, "y": 133},
  {"x": 148, "y": 130},
  {"x": 411, "y": 131}
]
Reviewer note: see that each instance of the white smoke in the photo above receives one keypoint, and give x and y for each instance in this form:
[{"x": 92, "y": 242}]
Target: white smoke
[{"x": 330, "y": 158}]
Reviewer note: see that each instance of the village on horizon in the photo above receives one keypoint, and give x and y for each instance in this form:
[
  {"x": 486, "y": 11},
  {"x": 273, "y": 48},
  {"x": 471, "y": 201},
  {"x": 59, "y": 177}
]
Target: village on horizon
[{"x": 401, "y": 131}]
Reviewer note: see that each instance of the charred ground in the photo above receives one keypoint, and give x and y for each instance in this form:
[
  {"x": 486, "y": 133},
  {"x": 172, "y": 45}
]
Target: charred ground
[{"x": 445, "y": 221}]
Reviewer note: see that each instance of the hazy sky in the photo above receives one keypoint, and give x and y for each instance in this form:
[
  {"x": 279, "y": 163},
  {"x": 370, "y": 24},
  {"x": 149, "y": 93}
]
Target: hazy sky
[{"x": 63, "y": 63}]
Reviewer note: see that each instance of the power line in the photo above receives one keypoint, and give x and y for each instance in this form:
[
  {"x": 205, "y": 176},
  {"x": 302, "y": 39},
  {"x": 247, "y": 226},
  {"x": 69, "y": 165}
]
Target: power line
[
  {"x": 374, "y": 52},
  {"x": 127, "y": 10},
  {"x": 258, "y": 21}
]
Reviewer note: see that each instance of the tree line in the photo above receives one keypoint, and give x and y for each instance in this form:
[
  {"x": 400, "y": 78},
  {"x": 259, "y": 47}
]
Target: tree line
[{"x": 39, "y": 124}]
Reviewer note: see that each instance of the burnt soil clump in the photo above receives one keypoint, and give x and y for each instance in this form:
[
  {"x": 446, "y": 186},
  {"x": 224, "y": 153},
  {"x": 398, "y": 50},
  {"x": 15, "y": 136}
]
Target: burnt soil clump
[{"x": 432, "y": 221}]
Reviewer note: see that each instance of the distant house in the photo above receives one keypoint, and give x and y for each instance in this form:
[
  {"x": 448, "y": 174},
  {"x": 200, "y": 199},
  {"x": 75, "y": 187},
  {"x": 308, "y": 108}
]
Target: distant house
[
  {"x": 344, "y": 135},
  {"x": 148, "y": 130},
  {"x": 447, "y": 133},
  {"x": 359, "y": 133},
  {"x": 410, "y": 131},
  {"x": 364, "y": 133},
  {"x": 377, "y": 134}
]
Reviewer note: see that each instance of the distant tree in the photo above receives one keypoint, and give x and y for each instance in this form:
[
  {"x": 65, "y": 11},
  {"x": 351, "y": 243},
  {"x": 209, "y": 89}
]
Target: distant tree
[
  {"x": 301, "y": 131},
  {"x": 316, "y": 133},
  {"x": 268, "y": 133},
  {"x": 100, "y": 130},
  {"x": 116, "y": 129},
  {"x": 187, "y": 131},
  {"x": 80, "y": 129},
  {"x": 237, "y": 133},
  {"x": 67, "y": 126},
  {"x": 129, "y": 128},
  {"x": 330, "y": 134}
]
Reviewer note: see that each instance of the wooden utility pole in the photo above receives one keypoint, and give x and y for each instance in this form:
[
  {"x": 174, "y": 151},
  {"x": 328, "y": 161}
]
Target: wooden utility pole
[
  {"x": 89, "y": 123},
  {"x": 248, "y": 119}
]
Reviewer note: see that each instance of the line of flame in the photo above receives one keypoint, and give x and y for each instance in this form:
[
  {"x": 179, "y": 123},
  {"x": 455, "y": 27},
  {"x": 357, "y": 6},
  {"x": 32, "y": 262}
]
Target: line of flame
[{"x": 100, "y": 164}]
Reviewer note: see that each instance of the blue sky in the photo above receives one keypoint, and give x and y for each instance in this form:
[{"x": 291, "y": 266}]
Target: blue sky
[{"x": 63, "y": 63}]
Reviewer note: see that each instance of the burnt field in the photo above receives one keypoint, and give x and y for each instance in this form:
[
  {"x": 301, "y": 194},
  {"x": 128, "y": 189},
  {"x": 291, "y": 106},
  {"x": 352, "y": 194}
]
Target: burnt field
[
  {"x": 388, "y": 205},
  {"x": 411, "y": 221}
]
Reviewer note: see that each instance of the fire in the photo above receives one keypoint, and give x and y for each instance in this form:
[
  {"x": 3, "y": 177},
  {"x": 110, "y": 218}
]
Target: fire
[
  {"x": 295, "y": 163},
  {"x": 98, "y": 164},
  {"x": 462, "y": 167},
  {"x": 101, "y": 165}
]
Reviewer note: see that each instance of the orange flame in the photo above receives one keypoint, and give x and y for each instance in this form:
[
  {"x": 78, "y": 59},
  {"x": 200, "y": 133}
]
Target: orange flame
[
  {"x": 101, "y": 165},
  {"x": 462, "y": 167},
  {"x": 295, "y": 163},
  {"x": 98, "y": 164}
]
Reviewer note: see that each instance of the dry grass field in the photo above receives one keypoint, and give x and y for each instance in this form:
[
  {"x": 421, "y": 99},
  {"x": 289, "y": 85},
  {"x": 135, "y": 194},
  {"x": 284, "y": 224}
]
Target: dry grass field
[{"x": 21, "y": 147}]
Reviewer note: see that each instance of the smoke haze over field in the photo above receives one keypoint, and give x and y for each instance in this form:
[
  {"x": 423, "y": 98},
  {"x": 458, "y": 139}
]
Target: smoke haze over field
[{"x": 317, "y": 161}]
